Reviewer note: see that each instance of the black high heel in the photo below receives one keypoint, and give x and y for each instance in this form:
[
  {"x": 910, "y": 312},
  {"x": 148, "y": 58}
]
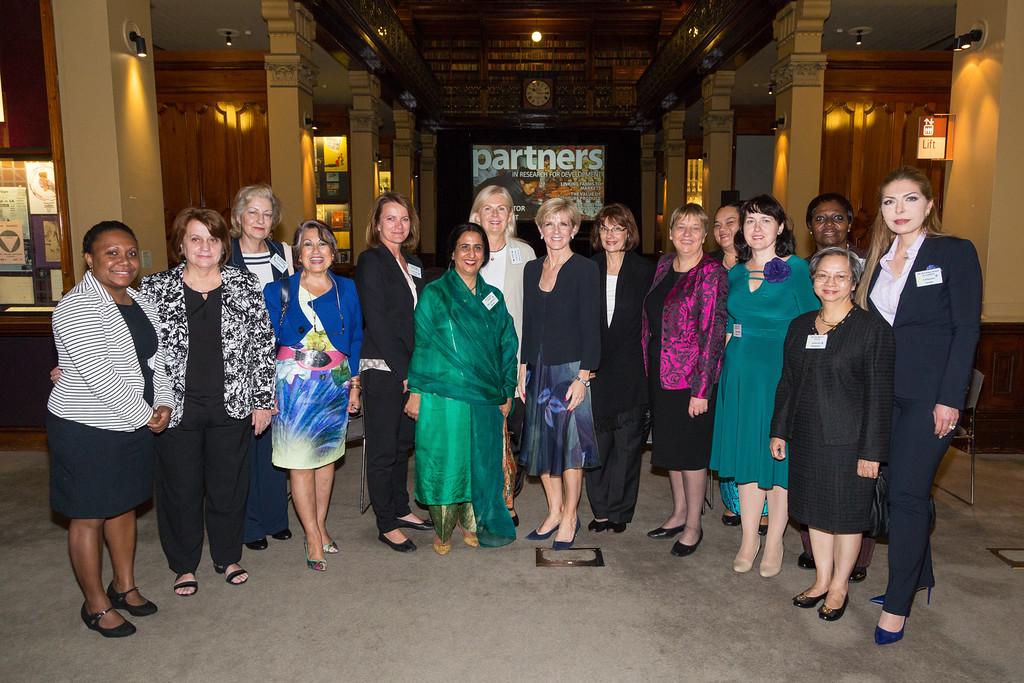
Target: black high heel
[
  {"x": 120, "y": 601},
  {"x": 92, "y": 621}
]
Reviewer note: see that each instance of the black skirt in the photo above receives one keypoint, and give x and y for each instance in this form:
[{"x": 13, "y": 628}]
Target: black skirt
[
  {"x": 679, "y": 442},
  {"x": 98, "y": 473}
]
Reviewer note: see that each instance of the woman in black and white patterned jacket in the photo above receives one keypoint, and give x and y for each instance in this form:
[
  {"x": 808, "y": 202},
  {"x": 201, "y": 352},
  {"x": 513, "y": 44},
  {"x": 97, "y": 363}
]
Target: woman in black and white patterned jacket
[{"x": 219, "y": 356}]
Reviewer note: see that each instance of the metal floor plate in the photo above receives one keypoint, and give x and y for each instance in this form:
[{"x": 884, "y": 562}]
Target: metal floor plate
[
  {"x": 1011, "y": 556},
  {"x": 574, "y": 557}
]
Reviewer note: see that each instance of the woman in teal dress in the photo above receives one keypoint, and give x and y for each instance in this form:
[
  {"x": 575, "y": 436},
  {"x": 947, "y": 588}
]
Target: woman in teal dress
[
  {"x": 462, "y": 378},
  {"x": 768, "y": 287},
  {"x": 319, "y": 330}
]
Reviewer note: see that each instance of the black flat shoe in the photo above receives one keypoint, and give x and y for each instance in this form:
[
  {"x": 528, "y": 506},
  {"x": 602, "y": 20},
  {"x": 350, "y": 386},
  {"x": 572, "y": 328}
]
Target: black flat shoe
[
  {"x": 617, "y": 527},
  {"x": 828, "y": 614},
  {"x": 808, "y": 601},
  {"x": 731, "y": 520},
  {"x": 282, "y": 535},
  {"x": 680, "y": 549},
  {"x": 406, "y": 546},
  {"x": 805, "y": 561},
  {"x": 418, "y": 526},
  {"x": 762, "y": 529},
  {"x": 663, "y": 532},
  {"x": 258, "y": 544},
  {"x": 858, "y": 574},
  {"x": 515, "y": 520},
  {"x": 597, "y": 527},
  {"x": 92, "y": 621},
  {"x": 119, "y": 601}
]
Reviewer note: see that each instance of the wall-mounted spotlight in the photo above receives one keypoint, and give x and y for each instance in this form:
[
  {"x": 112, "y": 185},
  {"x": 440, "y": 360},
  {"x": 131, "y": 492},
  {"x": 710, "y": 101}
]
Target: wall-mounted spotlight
[
  {"x": 308, "y": 122},
  {"x": 779, "y": 123},
  {"x": 140, "y": 43},
  {"x": 965, "y": 41}
]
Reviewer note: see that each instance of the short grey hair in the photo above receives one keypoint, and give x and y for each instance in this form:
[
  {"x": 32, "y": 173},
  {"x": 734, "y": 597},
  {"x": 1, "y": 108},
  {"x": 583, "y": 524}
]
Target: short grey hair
[
  {"x": 246, "y": 195},
  {"x": 856, "y": 265},
  {"x": 323, "y": 230}
]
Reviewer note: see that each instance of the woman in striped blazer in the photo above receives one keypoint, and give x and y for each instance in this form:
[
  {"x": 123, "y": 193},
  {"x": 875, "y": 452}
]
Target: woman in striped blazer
[{"x": 110, "y": 397}]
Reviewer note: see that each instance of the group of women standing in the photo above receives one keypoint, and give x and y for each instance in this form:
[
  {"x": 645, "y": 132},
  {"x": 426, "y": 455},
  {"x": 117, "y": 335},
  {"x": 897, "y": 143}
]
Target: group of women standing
[{"x": 793, "y": 381}]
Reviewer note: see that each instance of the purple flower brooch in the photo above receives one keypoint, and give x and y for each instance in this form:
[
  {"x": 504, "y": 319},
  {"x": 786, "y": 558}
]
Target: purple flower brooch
[{"x": 776, "y": 270}]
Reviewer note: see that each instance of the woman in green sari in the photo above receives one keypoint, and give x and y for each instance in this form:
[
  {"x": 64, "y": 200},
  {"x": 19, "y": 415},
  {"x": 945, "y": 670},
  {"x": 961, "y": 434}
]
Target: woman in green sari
[{"x": 462, "y": 378}]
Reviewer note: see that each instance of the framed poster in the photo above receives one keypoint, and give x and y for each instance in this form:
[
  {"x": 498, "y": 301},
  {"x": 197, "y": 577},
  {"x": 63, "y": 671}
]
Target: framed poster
[
  {"x": 45, "y": 241},
  {"x": 42, "y": 190},
  {"x": 14, "y": 206},
  {"x": 12, "y": 244}
]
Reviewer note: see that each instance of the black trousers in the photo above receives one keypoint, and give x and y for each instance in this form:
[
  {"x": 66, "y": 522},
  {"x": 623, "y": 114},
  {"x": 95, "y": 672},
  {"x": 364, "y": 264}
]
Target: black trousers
[
  {"x": 612, "y": 488},
  {"x": 266, "y": 511},
  {"x": 390, "y": 434},
  {"x": 914, "y": 457},
  {"x": 202, "y": 471}
]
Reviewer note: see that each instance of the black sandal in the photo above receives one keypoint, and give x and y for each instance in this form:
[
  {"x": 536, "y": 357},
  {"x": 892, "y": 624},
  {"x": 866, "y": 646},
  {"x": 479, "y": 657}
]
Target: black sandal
[
  {"x": 230, "y": 578},
  {"x": 178, "y": 583},
  {"x": 120, "y": 601},
  {"x": 92, "y": 621}
]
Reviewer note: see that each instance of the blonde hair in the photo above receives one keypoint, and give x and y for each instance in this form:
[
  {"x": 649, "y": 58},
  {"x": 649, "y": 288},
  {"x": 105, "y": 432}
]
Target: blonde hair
[
  {"x": 373, "y": 234},
  {"x": 882, "y": 237},
  {"x": 689, "y": 210},
  {"x": 557, "y": 205},
  {"x": 482, "y": 198}
]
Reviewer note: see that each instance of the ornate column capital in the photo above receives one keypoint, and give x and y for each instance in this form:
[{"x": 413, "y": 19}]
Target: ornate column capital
[
  {"x": 290, "y": 71},
  {"x": 799, "y": 70},
  {"x": 363, "y": 121},
  {"x": 717, "y": 122}
]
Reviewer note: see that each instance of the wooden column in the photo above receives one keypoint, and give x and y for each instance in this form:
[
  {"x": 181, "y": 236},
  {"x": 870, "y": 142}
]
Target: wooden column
[
  {"x": 364, "y": 127},
  {"x": 799, "y": 94},
  {"x": 428, "y": 192},
  {"x": 290, "y": 77},
  {"x": 648, "y": 189},
  {"x": 674, "y": 149},
  {"x": 716, "y": 91}
]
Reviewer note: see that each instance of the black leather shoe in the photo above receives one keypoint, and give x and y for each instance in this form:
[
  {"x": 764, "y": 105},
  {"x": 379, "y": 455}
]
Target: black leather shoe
[
  {"x": 680, "y": 549},
  {"x": 426, "y": 525},
  {"x": 405, "y": 547},
  {"x": 93, "y": 622},
  {"x": 663, "y": 532},
  {"x": 617, "y": 527},
  {"x": 258, "y": 544},
  {"x": 858, "y": 574},
  {"x": 731, "y": 520},
  {"x": 808, "y": 601},
  {"x": 828, "y": 614},
  {"x": 805, "y": 561},
  {"x": 597, "y": 527},
  {"x": 283, "y": 534},
  {"x": 120, "y": 601}
]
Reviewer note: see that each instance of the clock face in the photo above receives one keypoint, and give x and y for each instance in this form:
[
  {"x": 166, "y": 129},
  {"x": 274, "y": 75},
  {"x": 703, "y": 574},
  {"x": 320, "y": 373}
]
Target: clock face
[{"x": 538, "y": 93}]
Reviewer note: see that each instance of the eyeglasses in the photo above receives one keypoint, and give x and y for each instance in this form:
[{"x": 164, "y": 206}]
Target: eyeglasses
[
  {"x": 256, "y": 215},
  {"x": 822, "y": 218},
  {"x": 838, "y": 278},
  {"x": 616, "y": 229}
]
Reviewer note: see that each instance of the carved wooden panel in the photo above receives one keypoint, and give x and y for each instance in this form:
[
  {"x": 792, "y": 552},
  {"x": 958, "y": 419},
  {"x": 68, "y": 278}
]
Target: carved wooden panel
[{"x": 1000, "y": 420}]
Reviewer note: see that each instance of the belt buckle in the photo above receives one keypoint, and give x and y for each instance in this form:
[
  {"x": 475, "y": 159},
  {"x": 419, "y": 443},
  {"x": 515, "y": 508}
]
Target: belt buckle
[{"x": 314, "y": 359}]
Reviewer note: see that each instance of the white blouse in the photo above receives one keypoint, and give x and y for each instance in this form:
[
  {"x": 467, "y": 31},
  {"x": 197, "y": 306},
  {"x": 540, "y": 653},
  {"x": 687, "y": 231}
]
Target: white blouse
[
  {"x": 889, "y": 286},
  {"x": 609, "y": 295}
]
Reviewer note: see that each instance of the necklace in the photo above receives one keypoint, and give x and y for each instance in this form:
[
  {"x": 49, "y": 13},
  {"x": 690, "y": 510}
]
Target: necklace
[{"x": 821, "y": 317}]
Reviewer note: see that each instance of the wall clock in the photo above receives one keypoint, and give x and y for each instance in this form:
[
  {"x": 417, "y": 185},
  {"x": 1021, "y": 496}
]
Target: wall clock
[{"x": 537, "y": 93}]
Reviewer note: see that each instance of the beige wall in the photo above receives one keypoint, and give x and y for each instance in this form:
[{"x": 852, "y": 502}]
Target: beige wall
[
  {"x": 984, "y": 180},
  {"x": 108, "y": 112}
]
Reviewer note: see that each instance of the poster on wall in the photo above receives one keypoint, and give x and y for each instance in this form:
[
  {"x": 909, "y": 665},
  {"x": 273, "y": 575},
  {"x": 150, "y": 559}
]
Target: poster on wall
[
  {"x": 45, "y": 242},
  {"x": 534, "y": 173},
  {"x": 12, "y": 244},
  {"x": 383, "y": 182},
  {"x": 14, "y": 206},
  {"x": 42, "y": 192},
  {"x": 335, "y": 153},
  {"x": 16, "y": 289}
]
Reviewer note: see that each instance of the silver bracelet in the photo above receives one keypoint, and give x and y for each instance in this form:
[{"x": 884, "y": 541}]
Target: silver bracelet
[{"x": 579, "y": 379}]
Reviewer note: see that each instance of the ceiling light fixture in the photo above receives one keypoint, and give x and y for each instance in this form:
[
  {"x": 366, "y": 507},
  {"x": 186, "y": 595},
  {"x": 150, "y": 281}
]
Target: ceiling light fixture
[
  {"x": 860, "y": 38},
  {"x": 771, "y": 88},
  {"x": 858, "y": 33},
  {"x": 229, "y": 35},
  {"x": 536, "y": 36}
]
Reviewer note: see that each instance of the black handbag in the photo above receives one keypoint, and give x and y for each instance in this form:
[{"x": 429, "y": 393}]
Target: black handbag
[{"x": 880, "y": 507}]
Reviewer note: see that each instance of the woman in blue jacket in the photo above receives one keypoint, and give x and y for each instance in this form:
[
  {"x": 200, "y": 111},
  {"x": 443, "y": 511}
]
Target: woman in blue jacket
[{"x": 319, "y": 331}]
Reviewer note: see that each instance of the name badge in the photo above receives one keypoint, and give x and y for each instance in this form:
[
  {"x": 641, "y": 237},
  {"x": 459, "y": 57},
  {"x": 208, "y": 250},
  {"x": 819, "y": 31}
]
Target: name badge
[
  {"x": 515, "y": 254},
  {"x": 816, "y": 341},
  {"x": 737, "y": 330},
  {"x": 415, "y": 271},
  {"x": 490, "y": 300},
  {"x": 279, "y": 263},
  {"x": 931, "y": 276}
]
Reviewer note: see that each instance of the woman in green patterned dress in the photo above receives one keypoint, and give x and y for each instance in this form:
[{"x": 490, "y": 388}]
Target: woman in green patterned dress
[
  {"x": 462, "y": 378},
  {"x": 319, "y": 330}
]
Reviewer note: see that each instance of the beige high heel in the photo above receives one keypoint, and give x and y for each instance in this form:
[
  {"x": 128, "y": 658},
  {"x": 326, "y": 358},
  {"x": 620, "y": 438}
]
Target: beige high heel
[{"x": 770, "y": 570}]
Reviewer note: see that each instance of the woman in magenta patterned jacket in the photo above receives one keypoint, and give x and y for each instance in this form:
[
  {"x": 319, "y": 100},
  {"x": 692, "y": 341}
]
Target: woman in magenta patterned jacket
[{"x": 684, "y": 338}]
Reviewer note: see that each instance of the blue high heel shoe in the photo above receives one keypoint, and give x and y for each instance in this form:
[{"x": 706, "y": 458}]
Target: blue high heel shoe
[
  {"x": 880, "y": 599},
  {"x": 883, "y": 637},
  {"x": 565, "y": 545},
  {"x": 535, "y": 535}
]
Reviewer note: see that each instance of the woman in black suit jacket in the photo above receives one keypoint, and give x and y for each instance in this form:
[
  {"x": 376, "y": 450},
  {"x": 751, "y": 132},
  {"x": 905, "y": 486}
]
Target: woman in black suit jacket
[
  {"x": 618, "y": 392},
  {"x": 928, "y": 287},
  {"x": 389, "y": 279}
]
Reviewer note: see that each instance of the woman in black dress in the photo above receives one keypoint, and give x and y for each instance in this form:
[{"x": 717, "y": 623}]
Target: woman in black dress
[
  {"x": 109, "y": 398},
  {"x": 619, "y": 393},
  {"x": 833, "y": 406}
]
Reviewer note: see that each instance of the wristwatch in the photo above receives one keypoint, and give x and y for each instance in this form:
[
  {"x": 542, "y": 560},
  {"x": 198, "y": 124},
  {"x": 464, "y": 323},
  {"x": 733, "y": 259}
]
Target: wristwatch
[{"x": 579, "y": 379}]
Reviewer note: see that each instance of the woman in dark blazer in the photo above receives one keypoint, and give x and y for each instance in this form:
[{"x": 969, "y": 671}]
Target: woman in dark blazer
[
  {"x": 254, "y": 214},
  {"x": 619, "y": 393},
  {"x": 220, "y": 361},
  {"x": 389, "y": 279},
  {"x": 928, "y": 287}
]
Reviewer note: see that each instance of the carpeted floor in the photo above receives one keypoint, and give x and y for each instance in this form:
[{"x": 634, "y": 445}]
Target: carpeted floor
[{"x": 492, "y": 615}]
